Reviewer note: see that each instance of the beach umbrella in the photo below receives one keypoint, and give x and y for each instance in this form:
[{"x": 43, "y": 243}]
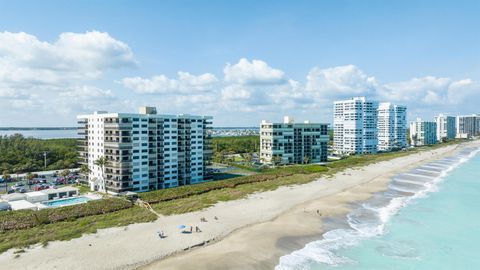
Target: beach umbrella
[{"x": 182, "y": 227}]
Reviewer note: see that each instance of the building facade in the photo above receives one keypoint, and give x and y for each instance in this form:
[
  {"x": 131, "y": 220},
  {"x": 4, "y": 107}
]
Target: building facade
[
  {"x": 423, "y": 132},
  {"x": 290, "y": 142},
  {"x": 446, "y": 127},
  {"x": 145, "y": 151},
  {"x": 355, "y": 126},
  {"x": 468, "y": 126},
  {"x": 392, "y": 126}
]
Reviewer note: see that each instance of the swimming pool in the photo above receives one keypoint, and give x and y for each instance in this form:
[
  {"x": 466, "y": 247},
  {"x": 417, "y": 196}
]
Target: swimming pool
[{"x": 65, "y": 202}]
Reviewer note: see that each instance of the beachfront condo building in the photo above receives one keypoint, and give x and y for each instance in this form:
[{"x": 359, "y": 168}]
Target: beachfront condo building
[
  {"x": 468, "y": 126},
  {"x": 423, "y": 132},
  {"x": 145, "y": 150},
  {"x": 290, "y": 142},
  {"x": 355, "y": 126},
  {"x": 392, "y": 126},
  {"x": 446, "y": 127}
]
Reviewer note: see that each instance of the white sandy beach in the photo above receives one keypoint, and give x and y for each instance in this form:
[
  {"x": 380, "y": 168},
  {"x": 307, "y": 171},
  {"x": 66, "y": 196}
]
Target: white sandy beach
[{"x": 255, "y": 231}]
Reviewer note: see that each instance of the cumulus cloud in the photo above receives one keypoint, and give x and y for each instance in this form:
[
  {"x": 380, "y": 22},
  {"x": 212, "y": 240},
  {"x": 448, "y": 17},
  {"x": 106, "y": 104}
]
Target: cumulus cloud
[
  {"x": 27, "y": 61},
  {"x": 341, "y": 81},
  {"x": 432, "y": 91},
  {"x": 161, "y": 84},
  {"x": 255, "y": 88},
  {"x": 65, "y": 77},
  {"x": 46, "y": 81},
  {"x": 87, "y": 92},
  {"x": 254, "y": 72}
]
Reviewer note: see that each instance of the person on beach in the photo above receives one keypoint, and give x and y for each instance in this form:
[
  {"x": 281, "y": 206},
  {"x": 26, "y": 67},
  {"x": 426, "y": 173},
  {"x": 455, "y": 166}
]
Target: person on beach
[
  {"x": 191, "y": 229},
  {"x": 215, "y": 218},
  {"x": 197, "y": 229}
]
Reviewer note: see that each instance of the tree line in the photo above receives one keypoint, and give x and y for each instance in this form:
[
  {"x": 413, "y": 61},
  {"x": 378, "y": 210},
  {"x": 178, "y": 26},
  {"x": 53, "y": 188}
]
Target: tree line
[{"x": 19, "y": 154}]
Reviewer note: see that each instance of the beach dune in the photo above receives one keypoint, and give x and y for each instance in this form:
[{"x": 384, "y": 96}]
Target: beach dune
[{"x": 250, "y": 233}]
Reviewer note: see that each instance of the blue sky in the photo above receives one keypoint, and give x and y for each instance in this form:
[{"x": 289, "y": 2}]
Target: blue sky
[{"x": 242, "y": 61}]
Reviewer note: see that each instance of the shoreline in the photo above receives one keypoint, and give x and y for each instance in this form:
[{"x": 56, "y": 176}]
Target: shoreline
[
  {"x": 253, "y": 231},
  {"x": 283, "y": 235}
]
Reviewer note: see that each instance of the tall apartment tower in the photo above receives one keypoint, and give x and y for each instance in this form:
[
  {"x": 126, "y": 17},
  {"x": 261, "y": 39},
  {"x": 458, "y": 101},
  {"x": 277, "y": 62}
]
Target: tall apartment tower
[
  {"x": 291, "y": 142},
  {"x": 145, "y": 151},
  {"x": 423, "y": 132},
  {"x": 355, "y": 126},
  {"x": 467, "y": 126},
  {"x": 446, "y": 127},
  {"x": 392, "y": 126}
]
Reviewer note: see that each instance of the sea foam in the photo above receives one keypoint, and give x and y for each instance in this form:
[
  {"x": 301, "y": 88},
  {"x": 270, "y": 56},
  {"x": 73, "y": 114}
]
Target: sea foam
[{"x": 371, "y": 218}]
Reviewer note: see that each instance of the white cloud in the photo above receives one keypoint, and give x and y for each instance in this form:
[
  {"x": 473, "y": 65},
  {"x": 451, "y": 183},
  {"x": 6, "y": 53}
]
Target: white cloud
[
  {"x": 259, "y": 91},
  {"x": 254, "y": 72},
  {"x": 185, "y": 83},
  {"x": 339, "y": 82},
  {"x": 27, "y": 61},
  {"x": 87, "y": 92},
  {"x": 44, "y": 82}
]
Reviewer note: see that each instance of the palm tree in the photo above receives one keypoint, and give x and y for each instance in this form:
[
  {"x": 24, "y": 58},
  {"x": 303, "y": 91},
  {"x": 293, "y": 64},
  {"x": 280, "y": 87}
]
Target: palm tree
[
  {"x": 248, "y": 157},
  {"x": 102, "y": 162},
  {"x": 277, "y": 160},
  {"x": 85, "y": 170},
  {"x": 6, "y": 176},
  {"x": 29, "y": 178},
  {"x": 306, "y": 159},
  {"x": 415, "y": 137},
  {"x": 65, "y": 173}
]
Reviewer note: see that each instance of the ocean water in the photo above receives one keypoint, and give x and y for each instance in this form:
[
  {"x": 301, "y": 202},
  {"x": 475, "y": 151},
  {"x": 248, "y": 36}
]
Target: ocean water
[{"x": 429, "y": 218}]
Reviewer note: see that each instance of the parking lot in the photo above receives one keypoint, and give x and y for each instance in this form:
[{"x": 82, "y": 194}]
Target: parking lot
[{"x": 22, "y": 185}]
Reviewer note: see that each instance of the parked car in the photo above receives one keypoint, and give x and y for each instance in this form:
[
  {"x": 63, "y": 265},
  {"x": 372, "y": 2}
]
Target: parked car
[
  {"x": 40, "y": 187},
  {"x": 19, "y": 184}
]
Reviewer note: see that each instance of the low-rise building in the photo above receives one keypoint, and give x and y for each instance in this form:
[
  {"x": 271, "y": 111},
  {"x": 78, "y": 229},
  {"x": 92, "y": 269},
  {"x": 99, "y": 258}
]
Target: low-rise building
[
  {"x": 36, "y": 196},
  {"x": 423, "y": 132},
  {"x": 291, "y": 142},
  {"x": 22, "y": 205},
  {"x": 58, "y": 193}
]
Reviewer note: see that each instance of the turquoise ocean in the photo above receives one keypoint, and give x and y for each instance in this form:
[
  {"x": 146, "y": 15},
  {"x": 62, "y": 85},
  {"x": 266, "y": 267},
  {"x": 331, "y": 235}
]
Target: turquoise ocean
[{"x": 429, "y": 218}]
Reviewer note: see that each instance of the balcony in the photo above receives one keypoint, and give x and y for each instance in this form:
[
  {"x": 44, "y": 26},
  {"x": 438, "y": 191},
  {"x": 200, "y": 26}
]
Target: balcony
[{"x": 118, "y": 126}]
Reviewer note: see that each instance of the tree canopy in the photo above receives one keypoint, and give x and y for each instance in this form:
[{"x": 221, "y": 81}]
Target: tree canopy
[{"x": 19, "y": 154}]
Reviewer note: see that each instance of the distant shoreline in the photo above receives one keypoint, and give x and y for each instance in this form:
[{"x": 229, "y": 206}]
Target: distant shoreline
[
  {"x": 73, "y": 128},
  {"x": 37, "y": 128}
]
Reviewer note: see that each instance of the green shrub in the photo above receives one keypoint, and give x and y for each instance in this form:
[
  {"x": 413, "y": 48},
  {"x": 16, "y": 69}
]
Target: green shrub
[
  {"x": 23, "y": 219},
  {"x": 186, "y": 191}
]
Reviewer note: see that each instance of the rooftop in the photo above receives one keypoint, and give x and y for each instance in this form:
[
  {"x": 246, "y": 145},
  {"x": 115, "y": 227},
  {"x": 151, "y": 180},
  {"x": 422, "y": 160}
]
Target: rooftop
[{"x": 58, "y": 190}]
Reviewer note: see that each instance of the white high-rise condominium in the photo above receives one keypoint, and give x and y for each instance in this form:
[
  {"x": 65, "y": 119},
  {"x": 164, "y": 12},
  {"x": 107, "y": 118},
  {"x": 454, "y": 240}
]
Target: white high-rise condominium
[
  {"x": 423, "y": 132},
  {"x": 468, "y": 126},
  {"x": 145, "y": 151},
  {"x": 446, "y": 128},
  {"x": 392, "y": 126},
  {"x": 355, "y": 126},
  {"x": 290, "y": 142}
]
